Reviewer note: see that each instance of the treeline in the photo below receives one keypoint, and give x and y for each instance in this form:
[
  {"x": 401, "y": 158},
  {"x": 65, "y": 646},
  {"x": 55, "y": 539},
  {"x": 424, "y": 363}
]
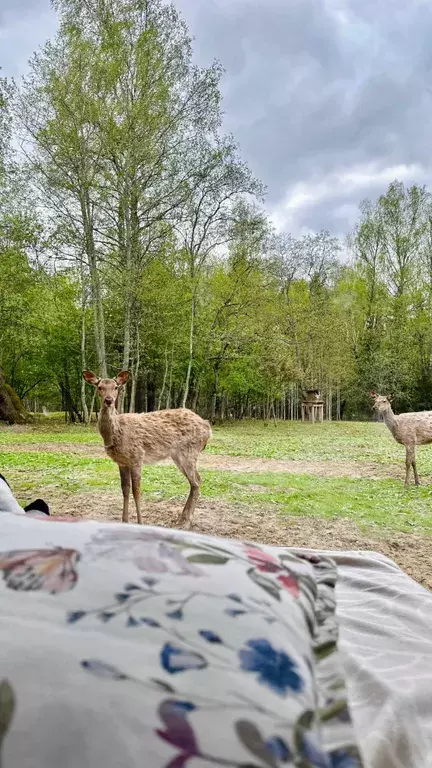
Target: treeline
[{"x": 132, "y": 236}]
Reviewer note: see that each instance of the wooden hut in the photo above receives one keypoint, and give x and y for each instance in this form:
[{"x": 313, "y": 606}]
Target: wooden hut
[{"x": 312, "y": 407}]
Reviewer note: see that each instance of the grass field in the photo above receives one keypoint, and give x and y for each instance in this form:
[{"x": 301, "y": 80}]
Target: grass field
[{"x": 328, "y": 485}]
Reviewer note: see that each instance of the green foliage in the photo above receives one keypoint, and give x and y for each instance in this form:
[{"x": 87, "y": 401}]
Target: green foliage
[{"x": 132, "y": 237}]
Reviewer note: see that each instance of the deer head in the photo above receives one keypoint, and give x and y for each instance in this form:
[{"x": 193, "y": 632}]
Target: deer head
[
  {"x": 380, "y": 402},
  {"x": 107, "y": 389}
]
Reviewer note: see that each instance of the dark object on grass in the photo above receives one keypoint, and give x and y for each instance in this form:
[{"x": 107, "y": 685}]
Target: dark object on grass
[{"x": 8, "y": 502}]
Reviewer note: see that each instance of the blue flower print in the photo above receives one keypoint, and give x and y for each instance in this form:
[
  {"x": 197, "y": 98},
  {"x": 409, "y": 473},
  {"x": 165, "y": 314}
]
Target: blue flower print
[
  {"x": 174, "y": 659},
  {"x": 274, "y": 668}
]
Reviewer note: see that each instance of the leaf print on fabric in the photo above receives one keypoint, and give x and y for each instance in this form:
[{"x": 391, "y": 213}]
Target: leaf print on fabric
[
  {"x": 75, "y": 616},
  {"x": 102, "y": 669},
  {"x": 251, "y": 738},
  {"x": 175, "y": 659},
  {"x": 279, "y": 749},
  {"x": 150, "y": 622},
  {"x": 306, "y": 743},
  {"x": 271, "y": 587},
  {"x": 7, "y": 708},
  {"x": 210, "y": 636},
  {"x": 49, "y": 570},
  {"x": 343, "y": 758},
  {"x": 205, "y": 559},
  {"x": 275, "y": 669}
]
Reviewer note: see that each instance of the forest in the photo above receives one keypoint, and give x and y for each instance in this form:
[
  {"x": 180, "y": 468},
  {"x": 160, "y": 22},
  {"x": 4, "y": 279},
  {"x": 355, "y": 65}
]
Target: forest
[{"x": 133, "y": 236}]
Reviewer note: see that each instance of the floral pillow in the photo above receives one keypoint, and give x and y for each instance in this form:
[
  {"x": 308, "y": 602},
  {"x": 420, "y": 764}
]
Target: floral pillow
[{"x": 148, "y": 647}]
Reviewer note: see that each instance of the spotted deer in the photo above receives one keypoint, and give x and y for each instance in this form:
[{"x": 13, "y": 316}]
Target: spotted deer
[{"x": 135, "y": 439}]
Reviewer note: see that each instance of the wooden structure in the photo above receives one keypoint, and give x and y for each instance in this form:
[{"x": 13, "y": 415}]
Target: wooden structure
[{"x": 312, "y": 407}]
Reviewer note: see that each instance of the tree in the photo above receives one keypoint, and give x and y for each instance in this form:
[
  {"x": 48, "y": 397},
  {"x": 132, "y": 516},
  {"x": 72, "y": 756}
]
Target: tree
[{"x": 219, "y": 183}]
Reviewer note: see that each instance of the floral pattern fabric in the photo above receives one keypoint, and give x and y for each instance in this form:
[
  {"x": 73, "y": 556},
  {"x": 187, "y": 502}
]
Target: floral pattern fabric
[{"x": 132, "y": 646}]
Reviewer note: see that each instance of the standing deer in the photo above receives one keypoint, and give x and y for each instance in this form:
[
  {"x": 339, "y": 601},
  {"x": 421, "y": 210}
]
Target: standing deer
[
  {"x": 134, "y": 439},
  {"x": 409, "y": 429}
]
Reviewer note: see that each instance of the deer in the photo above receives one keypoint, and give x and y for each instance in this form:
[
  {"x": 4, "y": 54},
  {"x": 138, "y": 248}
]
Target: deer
[
  {"x": 408, "y": 429},
  {"x": 135, "y": 439}
]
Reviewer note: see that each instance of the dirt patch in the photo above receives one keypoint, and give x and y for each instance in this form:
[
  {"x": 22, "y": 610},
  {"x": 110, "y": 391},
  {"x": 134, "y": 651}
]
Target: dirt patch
[
  {"x": 351, "y": 469},
  {"x": 323, "y": 468},
  {"x": 412, "y": 553}
]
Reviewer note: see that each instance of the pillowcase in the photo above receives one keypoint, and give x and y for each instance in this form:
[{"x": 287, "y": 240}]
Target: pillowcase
[{"x": 128, "y": 645}]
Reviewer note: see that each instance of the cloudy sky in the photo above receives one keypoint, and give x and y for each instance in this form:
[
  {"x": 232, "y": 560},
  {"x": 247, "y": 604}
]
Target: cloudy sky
[{"x": 330, "y": 100}]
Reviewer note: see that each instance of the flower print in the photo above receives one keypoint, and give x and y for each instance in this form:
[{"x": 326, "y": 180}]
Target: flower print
[
  {"x": 274, "y": 668},
  {"x": 290, "y": 583},
  {"x": 178, "y": 732},
  {"x": 50, "y": 570},
  {"x": 159, "y": 557},
  {"x": 150, "y": 551},
  {"x": 266, "y": 563},
  {"x": 174, "y": 659},
  {"x": 263, "y": 561}
]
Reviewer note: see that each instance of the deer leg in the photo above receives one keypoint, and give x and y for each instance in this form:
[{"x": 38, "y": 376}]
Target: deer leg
[
  {"x": 125, "y": 477},
  {"x": 187, "y": 465},
  {"x": 414, "y": 466},
  {"x": 136, "y": 490},
  {"x": 410, "y": 458}
]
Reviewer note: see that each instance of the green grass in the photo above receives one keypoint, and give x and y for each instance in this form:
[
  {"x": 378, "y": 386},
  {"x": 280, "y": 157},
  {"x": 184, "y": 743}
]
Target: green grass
[
  {"x": 382, "y": 503},
  {"x": 343, "y": 441}
]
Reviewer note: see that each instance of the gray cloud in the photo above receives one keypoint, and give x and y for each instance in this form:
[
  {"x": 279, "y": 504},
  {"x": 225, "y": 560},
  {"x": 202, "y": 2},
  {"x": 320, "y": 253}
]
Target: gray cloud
[
  {"x": 320, "y": 89},
  {"x": 329, "y": 99}
]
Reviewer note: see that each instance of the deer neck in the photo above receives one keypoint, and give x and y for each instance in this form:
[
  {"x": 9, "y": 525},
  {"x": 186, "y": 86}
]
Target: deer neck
[
  {"x": 389, "y": 419},
  {"x": 109, "y": 425}
]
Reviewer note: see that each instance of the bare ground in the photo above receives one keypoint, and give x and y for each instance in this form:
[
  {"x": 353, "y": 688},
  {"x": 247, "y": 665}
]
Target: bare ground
[
  {"x": 410, "y": 552},
  {"x": 323, "y": 468}
]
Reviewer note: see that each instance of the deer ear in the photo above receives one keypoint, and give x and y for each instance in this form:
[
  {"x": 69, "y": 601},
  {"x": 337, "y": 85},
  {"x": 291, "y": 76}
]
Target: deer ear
[
  {"x": 91, "y": 378},
  {"x": 373, "y": 394},
  {"x": 122, "y": 378},
  {"x": 390, "y": 398}
]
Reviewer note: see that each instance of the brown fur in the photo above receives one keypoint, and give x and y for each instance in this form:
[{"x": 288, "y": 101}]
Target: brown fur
[
  {"x": 135, "y": 439},
  {"x": 409, "y": 429}
]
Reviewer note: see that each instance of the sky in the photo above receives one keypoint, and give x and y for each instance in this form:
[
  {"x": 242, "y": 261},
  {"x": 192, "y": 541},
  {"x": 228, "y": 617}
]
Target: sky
[{"x": 330, "y": 100}]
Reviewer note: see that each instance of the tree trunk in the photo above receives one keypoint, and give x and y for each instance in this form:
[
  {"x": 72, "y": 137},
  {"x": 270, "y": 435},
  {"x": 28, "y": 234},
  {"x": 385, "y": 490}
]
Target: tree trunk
[
  {"x": 165, "y": 376},
  {"x": 83, "y": 347},
  {"x": 126, "y": 349},
  {"x": 135, "y": 371},
  {"x": 191, "y": 351},
  {"x": 98, "y": 314}
]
